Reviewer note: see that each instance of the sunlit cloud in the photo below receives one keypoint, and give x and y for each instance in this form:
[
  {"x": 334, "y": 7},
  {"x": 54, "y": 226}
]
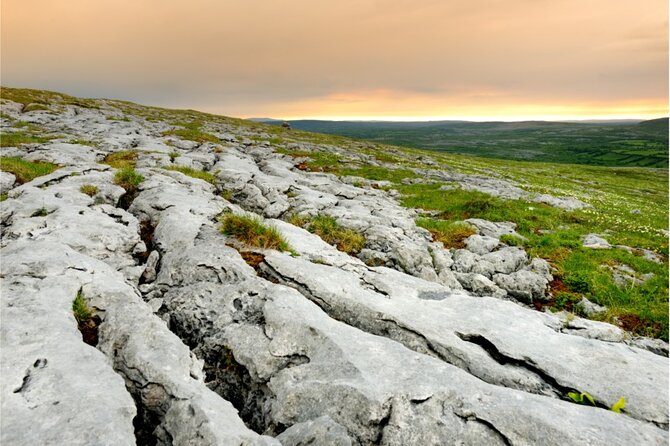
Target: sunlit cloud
[{"x": 348, "y": 58}]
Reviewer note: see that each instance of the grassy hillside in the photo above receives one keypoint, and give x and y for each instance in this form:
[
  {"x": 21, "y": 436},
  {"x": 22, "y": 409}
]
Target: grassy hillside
[
  {"x": 642, "y": 144},
  {"x": 629, "y": 204}
]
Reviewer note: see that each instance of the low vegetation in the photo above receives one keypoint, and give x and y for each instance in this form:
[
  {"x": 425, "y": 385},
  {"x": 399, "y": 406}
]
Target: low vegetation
[
  {"x": 128, "y": 179},
  {"x": 87, "y": 320},
  {"x": 253, "y": 232},
  {"x": 88, "y": 189},
  {"x": 14, "y": 139},
  {"x": 194, "y": 173},
  {"x": 629, "y": 206},
  {"x": 192, "y": 131},
  {"x": 23, "y": 170},
  {"x": 122, "y": 159},
  {"x": 345, "y": 239},
  {"x": 451, "y": 234}
]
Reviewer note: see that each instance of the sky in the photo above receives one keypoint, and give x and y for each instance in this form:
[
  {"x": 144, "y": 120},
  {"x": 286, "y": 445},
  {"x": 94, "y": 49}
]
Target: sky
[{"x": 349, "y": 59}]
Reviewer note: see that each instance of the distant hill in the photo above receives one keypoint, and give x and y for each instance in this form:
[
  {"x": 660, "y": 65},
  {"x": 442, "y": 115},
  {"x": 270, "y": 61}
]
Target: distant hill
[{"x": 607, "y": 143}]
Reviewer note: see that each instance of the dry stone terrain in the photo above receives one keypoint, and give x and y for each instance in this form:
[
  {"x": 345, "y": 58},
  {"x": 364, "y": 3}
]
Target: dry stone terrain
[{"x": 404, "y": 343}]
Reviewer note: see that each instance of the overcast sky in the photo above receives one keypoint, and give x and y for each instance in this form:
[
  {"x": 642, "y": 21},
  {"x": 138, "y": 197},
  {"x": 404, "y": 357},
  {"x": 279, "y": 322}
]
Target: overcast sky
[{"x": 410, "y": 59}]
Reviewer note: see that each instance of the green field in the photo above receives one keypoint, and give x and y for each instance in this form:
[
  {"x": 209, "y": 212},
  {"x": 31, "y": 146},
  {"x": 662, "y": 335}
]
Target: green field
[{"x": 643, "y": 144}]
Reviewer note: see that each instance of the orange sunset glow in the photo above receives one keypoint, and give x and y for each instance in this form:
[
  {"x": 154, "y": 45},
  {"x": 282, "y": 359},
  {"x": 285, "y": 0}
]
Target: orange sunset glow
[{"x": 345, "y": 59}]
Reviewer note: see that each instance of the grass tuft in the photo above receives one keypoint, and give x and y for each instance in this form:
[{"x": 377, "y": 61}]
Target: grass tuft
[
  {"x": 23, "y": 170},
  {"x": 193, "y": 173},
  {"x": 192, "y": 131},
  {"x": 253, "y": 232},
  {"x": 451, "y": 234},
  {"x": 82, "y": 312},
  {"x": 128, "y": 179},
  {"x": 88, "y": 189},
  {"x": 345, "y": 239},
  {"x": 122, "y": 159}
]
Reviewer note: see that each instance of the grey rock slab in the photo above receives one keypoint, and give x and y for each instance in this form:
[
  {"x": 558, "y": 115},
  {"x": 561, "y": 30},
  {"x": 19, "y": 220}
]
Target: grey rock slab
[
  {"x": 524, "y": 285},
  {"x": 589, "y": 308},
  {"x": 493, "y": 229},
  {"x": 481, "y": 244},
  {"x": 594, "y": 241},
  {"x": 320, "y": 431},
  {"x": 507, "y": 260},
  {"x": 637, "y": 374},
  {"x": 351, "y": 377},
  {"x": 154, "y": 363},
  {"x": 7, "y": 181},
  {"x": 480, "y": 285},
  {"x": 50, "y": 378}
]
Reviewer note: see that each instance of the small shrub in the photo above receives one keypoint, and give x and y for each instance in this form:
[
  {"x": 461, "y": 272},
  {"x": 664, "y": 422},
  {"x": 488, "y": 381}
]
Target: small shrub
[
  {"x": 251, "y": 231},
  {"x": 122, "y": 159},
  {"x": 23, "y": 170},
  {"x": 227, "y": 194},
  {"x": 193, "y": 173},
  {"x": 128, "y": 179},
  {"x": 88, "y": 189},
  {"x": 173, "y": 156}
]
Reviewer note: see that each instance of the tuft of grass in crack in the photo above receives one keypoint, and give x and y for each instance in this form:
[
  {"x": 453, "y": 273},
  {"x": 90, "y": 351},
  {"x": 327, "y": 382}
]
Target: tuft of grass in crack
[
  {"x": 88, "y": 189},
  {"x": 122, "y": 159},
  {"x": 82, "y": 312},
  {"x": 192, "y": 131},
  {"x": 253, "y": 232},
  {"x": 451, "y": 234},
  {"x": 345, "y": 239},
  {"x": 23, "y": 170},
  {"x": 173, "y": 156},
  {"x": 87, "y": 320},
  {"x": 128, "y": 179},
  {"x": 193, "y": 173}
]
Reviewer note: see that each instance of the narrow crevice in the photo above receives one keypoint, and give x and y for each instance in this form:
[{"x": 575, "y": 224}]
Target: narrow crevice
[
  {"x": 475, "y": 419},
  {"x": 525, "y": 363},
  {"x": 126, "y": 200},
  {"x": 147, "y": 229},
  {"x": 232, "y": 381}
]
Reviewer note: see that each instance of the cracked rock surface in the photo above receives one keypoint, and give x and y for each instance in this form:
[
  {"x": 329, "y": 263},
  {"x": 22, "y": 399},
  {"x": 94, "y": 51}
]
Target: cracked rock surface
[{"x": 404, "y": 343}]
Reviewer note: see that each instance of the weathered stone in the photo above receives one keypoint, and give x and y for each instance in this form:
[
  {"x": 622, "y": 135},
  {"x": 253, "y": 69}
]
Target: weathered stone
[{"x": 594, "y": 241}]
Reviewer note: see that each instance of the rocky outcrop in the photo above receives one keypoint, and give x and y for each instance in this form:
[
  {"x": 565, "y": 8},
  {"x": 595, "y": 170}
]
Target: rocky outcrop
[{"x": 195, "y": 345}]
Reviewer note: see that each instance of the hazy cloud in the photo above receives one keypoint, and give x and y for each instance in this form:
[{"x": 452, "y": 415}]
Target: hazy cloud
[{"x": 305, "y": 57}]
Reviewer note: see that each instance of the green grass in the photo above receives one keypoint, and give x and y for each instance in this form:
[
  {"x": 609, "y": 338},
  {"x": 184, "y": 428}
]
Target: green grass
[
  {"x": 23, "y": 170},
  {"x": 253, "y": 232},
  {"x": 193, "y": 173},
  {"x": 451, "y": 234},
  {"x": 345, "y": 239},
  {"x": 88, "y": 189},
  {"x": 82, "y": 312},
  {"x": 3, "y": 197},
  {"x": 14, "y": 139},
  {"x": 579, "y": 269},
  {"x": 122, "y": 159},
  {"x": 192, "y": 131},
  {"x": 128, "y": 179}
]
